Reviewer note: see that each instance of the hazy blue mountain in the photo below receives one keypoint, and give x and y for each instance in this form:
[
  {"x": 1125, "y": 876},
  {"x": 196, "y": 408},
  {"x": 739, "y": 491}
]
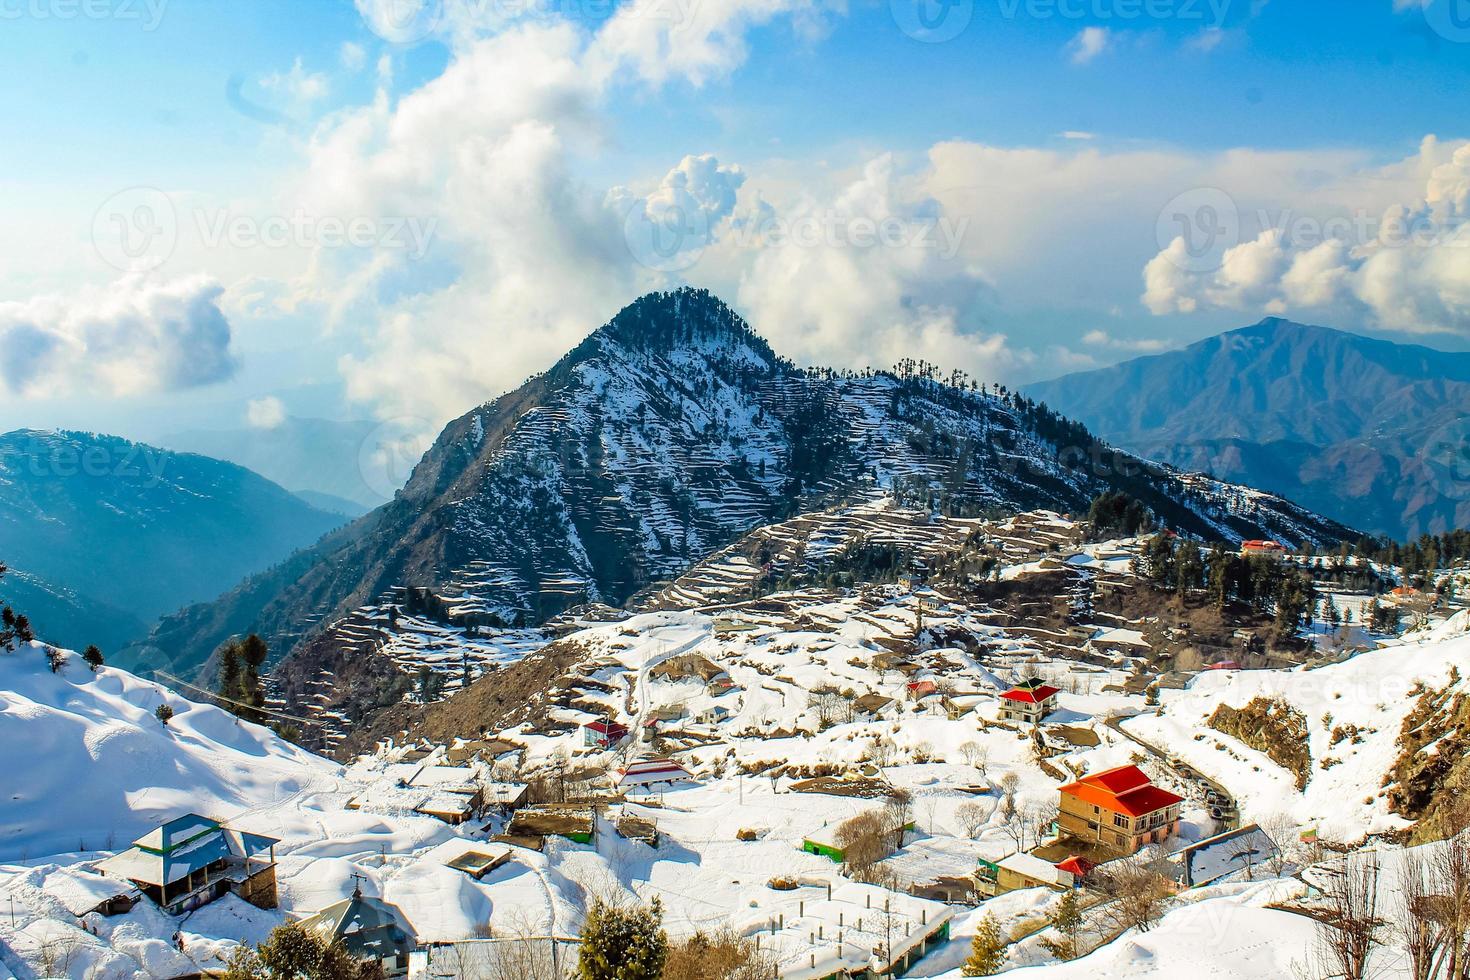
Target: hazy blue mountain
[
  {"x": 306, "y": 456},
  {"x": 1370, "y": 432},
  {"x": 62, "y": 616},
  {"x": 99, "y": 520}
]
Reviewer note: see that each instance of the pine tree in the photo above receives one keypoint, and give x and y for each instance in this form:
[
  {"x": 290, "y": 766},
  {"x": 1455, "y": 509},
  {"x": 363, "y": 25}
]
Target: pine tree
[
  {"x": 1066, "y": 919},
  {"x": 93, "y": 657},
  {"x": 987, "y": 950},
  {"x": 14, "y": 628},
  {"x": 623, "y": 943},
  {"x": 230, "y": 675},
  {"x": 164, "y": 714}
]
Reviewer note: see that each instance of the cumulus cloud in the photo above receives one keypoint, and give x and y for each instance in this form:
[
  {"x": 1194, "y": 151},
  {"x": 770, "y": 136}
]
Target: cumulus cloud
[
  {"x": 134, "y": 337},
  {"x": 265, "y": 413},
  {"x": 868, "y": 276},
  {"x": 1089, "y": 43},
  {"x": 1405, "y": 267},
  {"x": 693, "y": 40}
]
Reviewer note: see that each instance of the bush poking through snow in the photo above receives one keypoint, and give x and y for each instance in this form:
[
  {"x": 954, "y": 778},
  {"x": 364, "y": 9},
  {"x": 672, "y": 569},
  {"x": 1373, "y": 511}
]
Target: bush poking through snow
[
  {"x": 723, "y": 955},
  {"x": 164, "y": 714},
  {"x": 623, "y": 942},
  {"x": 987, "y": 950},
  {"x": 294, "y": 953}
]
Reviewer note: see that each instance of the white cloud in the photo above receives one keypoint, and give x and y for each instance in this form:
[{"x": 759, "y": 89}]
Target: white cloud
[
  {"x": 1137, "y": 345},
  {"x": 353, "y": 56},
  {"x": 1078, "y": 134},
  {"x": 1403, "y": 267},
  {"x": 1088, "y": 44},
  {"x": 829, "y": 292},
  {"x": 693, "y": 39},
  {"x": 265, "y": 413},
  {"x": 134, "y": 337},
  {"x": 298, "y": 86},
  {"x": 1207, "y": 40}
]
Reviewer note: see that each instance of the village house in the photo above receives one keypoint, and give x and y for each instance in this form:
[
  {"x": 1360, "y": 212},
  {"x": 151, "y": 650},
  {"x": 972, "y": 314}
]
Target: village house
[
  {"x": 192, "y": 860},
  {"x": 603, "y": 733},
  {"x": 847, "y": 930},
  {"x": 648, "y": 772},
  {"x": 1029, "y": 701},
  {"x": 1209, "y": 860},
  {"x": 713, "y": 715},
  {"x": 1120, "y": 809},
  {"x": 577, "y": 824},
  {"x": 871, "y": 707},
  {"x": 82, "y": 892},
  {"x": 450, "y": 793},
  {"x": 1264, "y": 549},
  {"x": 369, "y": 929},
  {"x": 1018, "y": 871}
]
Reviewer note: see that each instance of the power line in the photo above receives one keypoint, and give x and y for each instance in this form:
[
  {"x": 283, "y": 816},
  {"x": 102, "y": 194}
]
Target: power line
[{"x": 220, "y": 697}]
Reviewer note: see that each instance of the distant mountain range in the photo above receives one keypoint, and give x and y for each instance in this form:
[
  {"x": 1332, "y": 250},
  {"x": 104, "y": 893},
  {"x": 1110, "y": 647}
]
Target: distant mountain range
[
  {"x": 320, "y": 460},
  {"x": 105, "y": 535},
  {"x": 666, "y": 434},
  {"x": 1372, "y": 433}
]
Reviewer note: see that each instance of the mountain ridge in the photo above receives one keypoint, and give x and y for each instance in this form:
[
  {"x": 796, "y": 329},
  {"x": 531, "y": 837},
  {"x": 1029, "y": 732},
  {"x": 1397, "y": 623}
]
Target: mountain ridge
[
  {"x": 1357, "y": 428},
  {"x": 135, "y": 529},
  {"x": 664, "y": 435}
]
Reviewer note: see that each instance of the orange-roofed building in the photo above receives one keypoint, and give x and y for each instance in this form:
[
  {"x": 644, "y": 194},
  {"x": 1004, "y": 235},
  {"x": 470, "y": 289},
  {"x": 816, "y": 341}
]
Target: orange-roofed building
[
  {"x": 1120, "y": 809},
  {"x": 1271, "y": 549}
]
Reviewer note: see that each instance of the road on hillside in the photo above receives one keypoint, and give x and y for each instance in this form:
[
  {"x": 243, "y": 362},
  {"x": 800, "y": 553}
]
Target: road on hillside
[{"x": 1193, "y": 776}]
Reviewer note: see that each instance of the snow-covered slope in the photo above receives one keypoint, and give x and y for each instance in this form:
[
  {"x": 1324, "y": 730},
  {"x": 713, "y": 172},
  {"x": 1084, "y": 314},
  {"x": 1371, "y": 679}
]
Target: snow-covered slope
[
  {"x": 1353, "y": 713},
  {"x": 89, "y": 766}
]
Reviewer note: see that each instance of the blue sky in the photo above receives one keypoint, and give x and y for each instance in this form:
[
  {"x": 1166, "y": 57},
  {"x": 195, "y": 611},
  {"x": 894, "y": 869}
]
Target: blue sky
[{"x": 1056, "y": 141}]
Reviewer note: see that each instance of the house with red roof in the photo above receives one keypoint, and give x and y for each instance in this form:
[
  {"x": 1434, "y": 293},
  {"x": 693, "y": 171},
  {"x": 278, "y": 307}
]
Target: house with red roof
[
  {"x": 1029, "y": 701},
  {"x": 1120, "y": 809},
  {"x": 1269, "y": 549},
  {"x": 603, "y": 733}
]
